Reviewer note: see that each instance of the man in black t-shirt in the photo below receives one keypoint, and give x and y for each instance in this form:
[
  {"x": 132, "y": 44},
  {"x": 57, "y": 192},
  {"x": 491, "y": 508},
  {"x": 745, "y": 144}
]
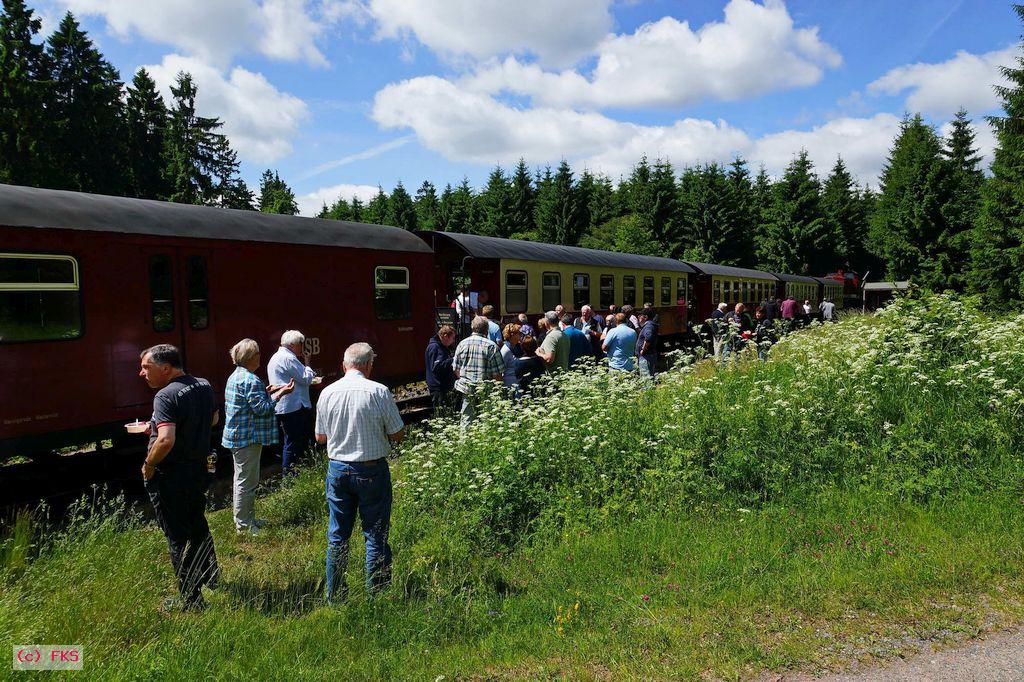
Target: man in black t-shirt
[{"x": 174, "y": 472}]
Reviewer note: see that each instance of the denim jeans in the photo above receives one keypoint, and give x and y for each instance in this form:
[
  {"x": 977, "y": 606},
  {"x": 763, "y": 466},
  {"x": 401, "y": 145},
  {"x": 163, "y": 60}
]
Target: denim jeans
[
  {"x": 468, "y": 409},
  {"x": 364, "y": 487},
  {"x": 645, "y": 367},
  {"x": 246, "y": 479},
  {"x": 178, "y": 494},
  {"x": 298, "y": 436}
]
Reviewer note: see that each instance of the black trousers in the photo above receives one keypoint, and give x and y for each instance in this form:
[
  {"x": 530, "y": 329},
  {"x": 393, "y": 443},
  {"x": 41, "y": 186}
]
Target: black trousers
[
  {"x": 178, "y": 494},
  {"x": 442, "y": 401}
]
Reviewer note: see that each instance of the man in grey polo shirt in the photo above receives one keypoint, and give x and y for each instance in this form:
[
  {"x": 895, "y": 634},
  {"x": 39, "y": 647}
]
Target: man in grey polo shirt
[{"x": 358, "y": 420}]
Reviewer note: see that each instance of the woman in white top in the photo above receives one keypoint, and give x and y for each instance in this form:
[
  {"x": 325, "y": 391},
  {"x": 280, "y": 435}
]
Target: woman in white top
[
  {"x": 807, "y": 307},
  {"x": 509, "y": 356}
]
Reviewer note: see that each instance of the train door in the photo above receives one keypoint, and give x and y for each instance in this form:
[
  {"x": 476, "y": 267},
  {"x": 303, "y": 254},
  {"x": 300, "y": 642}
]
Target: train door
[
  {"x": 159, "y": 322},
  {"x": 196, "y": 314}
]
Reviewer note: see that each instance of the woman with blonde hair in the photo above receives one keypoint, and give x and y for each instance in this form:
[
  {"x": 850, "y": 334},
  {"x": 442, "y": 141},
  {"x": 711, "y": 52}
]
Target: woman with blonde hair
[
  {"x": 509, "y": 355},
  {"x": 249, "y": 424}
]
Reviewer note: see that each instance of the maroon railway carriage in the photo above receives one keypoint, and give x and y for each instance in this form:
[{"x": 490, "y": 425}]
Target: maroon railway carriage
[{"x": 87, "y": 281}]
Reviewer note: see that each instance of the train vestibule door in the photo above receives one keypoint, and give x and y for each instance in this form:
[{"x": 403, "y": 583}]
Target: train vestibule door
[{"x": 158, "y": 321}]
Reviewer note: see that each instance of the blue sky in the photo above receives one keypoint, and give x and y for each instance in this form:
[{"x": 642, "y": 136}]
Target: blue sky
[{"x": 343, "y": 95}]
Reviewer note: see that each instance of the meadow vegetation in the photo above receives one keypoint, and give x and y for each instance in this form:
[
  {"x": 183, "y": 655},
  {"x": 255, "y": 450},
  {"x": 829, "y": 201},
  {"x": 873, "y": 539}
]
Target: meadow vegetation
[{"x": 856, "y": 495}]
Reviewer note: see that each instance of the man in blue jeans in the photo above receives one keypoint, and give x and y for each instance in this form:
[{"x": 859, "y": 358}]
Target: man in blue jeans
[
  {"x": 358, "y": 420},
  {"x": 294, "y": 411}
]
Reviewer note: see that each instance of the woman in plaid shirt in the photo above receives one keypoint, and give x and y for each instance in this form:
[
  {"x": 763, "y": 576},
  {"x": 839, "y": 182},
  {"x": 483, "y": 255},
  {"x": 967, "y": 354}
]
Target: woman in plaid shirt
[{"x": 249, "y": 424}]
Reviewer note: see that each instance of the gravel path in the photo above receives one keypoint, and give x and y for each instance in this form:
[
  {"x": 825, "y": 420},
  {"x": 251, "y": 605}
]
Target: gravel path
[{"x": 996, "y": 658}]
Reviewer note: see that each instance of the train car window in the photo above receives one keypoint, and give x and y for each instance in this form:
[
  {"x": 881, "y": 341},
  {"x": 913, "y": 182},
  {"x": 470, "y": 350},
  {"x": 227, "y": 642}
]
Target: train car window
[
  {"x": 392, "y": 299},
  {"x": 515, "y": 291},
  {"x": 681, "y": 292},
  {"x": 745, "y": 297},
  {"x": 551, "y": 291},
  {"x": 580, "y": 290},
  {"x": 39, "y": 298},
  {"x": 629, "y": 290},
  {"x": 198, "y": 293},
  {"x": 161, "y": 292},
  {"x": 666, "y": 291},
  {"x": 649, "y": 291},
  {"x": 607, "y": 291}
]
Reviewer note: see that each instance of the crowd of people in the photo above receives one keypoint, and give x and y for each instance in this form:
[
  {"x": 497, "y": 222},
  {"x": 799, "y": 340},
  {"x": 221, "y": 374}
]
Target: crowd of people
[
  {"x": 731, "y": 331},
  {"x": 518, "y": 352},
  {"x": 356, "y": 419}
]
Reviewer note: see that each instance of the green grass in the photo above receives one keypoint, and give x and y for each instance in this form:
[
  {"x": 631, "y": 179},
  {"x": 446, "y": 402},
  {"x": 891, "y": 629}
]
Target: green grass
[{"x": 857, "y": 496}]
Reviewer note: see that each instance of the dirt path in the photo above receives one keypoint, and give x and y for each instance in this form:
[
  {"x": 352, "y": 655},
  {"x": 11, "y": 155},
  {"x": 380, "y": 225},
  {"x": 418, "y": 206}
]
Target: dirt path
[{"x": 996, "y": 658}]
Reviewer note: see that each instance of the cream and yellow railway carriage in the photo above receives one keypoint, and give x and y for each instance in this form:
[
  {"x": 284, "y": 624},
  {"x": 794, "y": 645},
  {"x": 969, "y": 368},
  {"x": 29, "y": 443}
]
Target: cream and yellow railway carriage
[{"x": 530, "y": 277}]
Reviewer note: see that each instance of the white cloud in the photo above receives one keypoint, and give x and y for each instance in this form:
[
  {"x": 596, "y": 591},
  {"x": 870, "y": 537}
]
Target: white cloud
[
  {"x": 468, "y": 126},
  {"x": 217, "y": 30},
  {"x": 259, "y": 119},
  {"x": 310, "y": 204},
  {"x": 966, "y": 80},
  {"x": 556, "y": 31},
  {"x": 754, "y": 50},
  {"x": 863, "y": 143}
]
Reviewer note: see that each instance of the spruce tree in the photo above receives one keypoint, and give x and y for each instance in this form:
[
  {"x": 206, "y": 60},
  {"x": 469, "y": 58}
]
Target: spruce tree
[
  {"x": 708, "y": 216},
  {"x": 275, "y": 195},
  {"x": 744, "y": 211},
  {"x": 997, "y": 244},
  {"x": 557, "y": 212},
  {"x": 844, "y": 215},
  {"x": 356, "y": 210},
  {"x": 762, "y": 193},
  {"x": 376, "y": 212},
  {"x": 585, "y": 188},
  {"x": 145, "y": 132},
  {"x": 86, "y": 113},
  {"x": 338, "y": 210},
  {"x": 235, "y": 193},
  {"x": 25, "y": 96},
  {"x": 909, "y": 229},
  {"x": 446, "y": 209},
  {"x": 965, "y": 181},
  {"x": 496, "y": 205},
  {"x": 200, "y": 162},
  {"x": 523, "y": 197},
  {"x": 426, "y": 206},
  {"x": 795, "y": 236},
  {"x": 602, "y": 205},
  {"x": 401, "y": 210},
  {"x": 462, "y": 215}
]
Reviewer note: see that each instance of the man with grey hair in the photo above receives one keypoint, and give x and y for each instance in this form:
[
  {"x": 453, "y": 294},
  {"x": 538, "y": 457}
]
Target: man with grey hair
[
  {"x": 358, "y": 420},
  {"x": 295, "y": 410},
  {"x": 592, "y": 327},
  {"x": 174, "y": 471},
  {"x": 477, "y": 359},
  {"x": 554, "y": 351}
]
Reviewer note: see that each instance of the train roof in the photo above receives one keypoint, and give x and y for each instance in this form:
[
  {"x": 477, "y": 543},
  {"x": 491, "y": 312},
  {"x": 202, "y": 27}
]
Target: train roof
[
  {"x": 730, "y": 271},
  {"x": 886, "y": 286},
  {"x": 828, "y": 280},
  {"x": 480, "y": 246},
  {"x": 59, "y": 209},
  {"x": 802, "y": 279}
]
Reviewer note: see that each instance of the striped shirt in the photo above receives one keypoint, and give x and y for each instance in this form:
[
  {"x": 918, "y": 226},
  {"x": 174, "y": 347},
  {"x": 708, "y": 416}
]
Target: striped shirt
[
  {"x": 357, "y": 416},
  {"x": 248, "y": 412},
  {"x": 476, "y": 359}
]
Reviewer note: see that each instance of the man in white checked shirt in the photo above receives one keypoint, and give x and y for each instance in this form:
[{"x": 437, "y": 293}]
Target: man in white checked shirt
[{"x": 358, "y": 420}]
